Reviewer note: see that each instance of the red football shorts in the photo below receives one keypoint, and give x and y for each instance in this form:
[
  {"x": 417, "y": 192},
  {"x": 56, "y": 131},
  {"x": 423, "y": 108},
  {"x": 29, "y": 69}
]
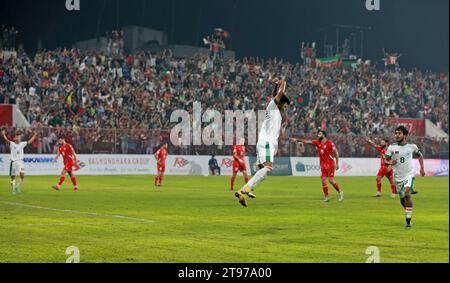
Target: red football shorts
[
  {"x": 328, "y": 170},
  {"x": 385, "y": 172},
  {"x": 238, "y": 167},
  {"x": 161, "y": 168},
  {"x": 68, "y": 167}
]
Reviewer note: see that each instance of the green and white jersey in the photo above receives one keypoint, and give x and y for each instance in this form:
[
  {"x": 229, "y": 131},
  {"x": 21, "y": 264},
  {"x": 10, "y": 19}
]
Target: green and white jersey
[
  {"x": 404, "y": 155},
  {"x": 17, "y": 151}
]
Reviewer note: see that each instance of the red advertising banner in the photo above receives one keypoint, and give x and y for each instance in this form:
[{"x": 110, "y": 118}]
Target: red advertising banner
[
  {"x": 6, "y": 115},
  {"x": 416, "y": 127}
]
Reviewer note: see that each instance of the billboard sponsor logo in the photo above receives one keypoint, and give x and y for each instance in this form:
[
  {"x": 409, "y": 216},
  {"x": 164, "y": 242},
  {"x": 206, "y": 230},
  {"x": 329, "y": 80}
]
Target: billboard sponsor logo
[
  {"x": 38, "y": 160},
  {"x": 180, "y": 162},
  {"x": 118, "y": 161},
  {"x": 443, "y": 169},
  {"x": 226, "y": 162},
  {"x": 301, "y": 167},
  {"x": 345, "y": 167},
  {"x": 1, "y": 160}
]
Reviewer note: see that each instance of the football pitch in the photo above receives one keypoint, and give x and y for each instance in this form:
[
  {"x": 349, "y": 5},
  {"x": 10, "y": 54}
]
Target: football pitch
[{"x": 197, "y": 219}]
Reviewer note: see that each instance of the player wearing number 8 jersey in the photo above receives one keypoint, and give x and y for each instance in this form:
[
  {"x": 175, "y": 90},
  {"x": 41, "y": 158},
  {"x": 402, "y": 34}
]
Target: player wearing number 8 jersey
[{"x": 400, "y": 155}]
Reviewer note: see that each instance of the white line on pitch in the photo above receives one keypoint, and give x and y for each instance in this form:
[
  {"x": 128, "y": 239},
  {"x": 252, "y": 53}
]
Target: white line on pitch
[
  {"x": 78, "y": 212},
  {"x": 72, "y": 223}
]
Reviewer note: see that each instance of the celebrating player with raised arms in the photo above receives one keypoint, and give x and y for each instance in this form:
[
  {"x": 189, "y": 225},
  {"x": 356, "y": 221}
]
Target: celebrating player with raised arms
[
  {"x": 71, "y": 164},
  {"x": 161, "y": 156},
  {"x": 400, "y": 155},
  {"x": 328, "y": 164},
  {"x": 239, "y": 162},
  {"x": 267, "y": 145},
  {"x": 17, "y": 166},
  {"x": 385, "y": 170}
]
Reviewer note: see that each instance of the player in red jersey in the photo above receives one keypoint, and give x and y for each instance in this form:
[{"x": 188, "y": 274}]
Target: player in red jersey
[
  {"x": 161, "y": 156},
  {"x": 71, "y": 164},
  {"x": 328, "y": 164},
  {"x": 385, "y": 170},
  {"x": 239, "y": 162}
]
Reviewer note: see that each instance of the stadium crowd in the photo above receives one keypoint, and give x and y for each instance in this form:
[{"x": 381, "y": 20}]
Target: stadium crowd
[{"x": 125, "y": 102}]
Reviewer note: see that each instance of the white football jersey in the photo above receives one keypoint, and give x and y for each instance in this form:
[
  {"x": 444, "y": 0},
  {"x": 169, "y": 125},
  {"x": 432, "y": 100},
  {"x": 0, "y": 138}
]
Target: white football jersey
[
  {"x": 17, "y": 150},
  {"x": 271, "y": 127},
  {"x": 404, "y": 155}
]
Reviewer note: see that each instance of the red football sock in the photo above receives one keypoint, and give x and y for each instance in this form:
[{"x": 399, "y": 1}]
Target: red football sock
[
  {"x": 156, "y": 180},
  {"x": 61, "y": 180},
  {"x": 246, "y": 179},
  {"x": 325, "y": 190},
  {"x": 233, "y": 179},
  {"x": 336, "y": 187},
  {"x": 379, "y": 186},
  {"x": 74, "y": 181},
  {"x": 161, "y": 179},
  {"x": 394, "y": 189}
]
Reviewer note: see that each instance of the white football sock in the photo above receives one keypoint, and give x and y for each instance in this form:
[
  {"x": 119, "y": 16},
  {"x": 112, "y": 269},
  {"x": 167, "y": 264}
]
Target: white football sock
[
  {"x": 258, "y": 178},
  {"x": 19, "y": 185}
]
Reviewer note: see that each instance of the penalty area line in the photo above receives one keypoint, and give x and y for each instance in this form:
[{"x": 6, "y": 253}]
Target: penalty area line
[{"x": 78, "y": 212}]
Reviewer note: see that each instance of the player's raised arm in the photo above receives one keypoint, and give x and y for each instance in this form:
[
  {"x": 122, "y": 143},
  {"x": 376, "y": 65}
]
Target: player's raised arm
[
  {"x": 275, "y": 88},
  {"x": 281, "y": 90},
  {"x": 5, "y": 137},
  {"x": 33, "y": 138},
  {"x": 371, "y": 142},
  {"x": 301, "y": 141}
]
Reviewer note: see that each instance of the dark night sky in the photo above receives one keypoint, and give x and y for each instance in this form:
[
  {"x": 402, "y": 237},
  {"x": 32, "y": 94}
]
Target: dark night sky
[{"x": 417, "y": 28}]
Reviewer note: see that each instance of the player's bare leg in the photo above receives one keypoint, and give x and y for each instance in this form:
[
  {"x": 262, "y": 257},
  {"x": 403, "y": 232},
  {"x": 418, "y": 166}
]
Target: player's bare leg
[
  {"x": 407, "y": 203},
  {"x": 62, "y": 178},
  {"x": 337, "y": 188},
  {"x": 74, "y": 181}
]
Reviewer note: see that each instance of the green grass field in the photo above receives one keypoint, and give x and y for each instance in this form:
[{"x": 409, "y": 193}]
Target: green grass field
[{"x": 197, "y": 219}]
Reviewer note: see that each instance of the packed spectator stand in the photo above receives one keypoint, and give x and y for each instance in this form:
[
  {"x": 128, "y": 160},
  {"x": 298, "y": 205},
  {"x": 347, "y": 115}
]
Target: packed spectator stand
[{"x": 117, "y": 103}]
